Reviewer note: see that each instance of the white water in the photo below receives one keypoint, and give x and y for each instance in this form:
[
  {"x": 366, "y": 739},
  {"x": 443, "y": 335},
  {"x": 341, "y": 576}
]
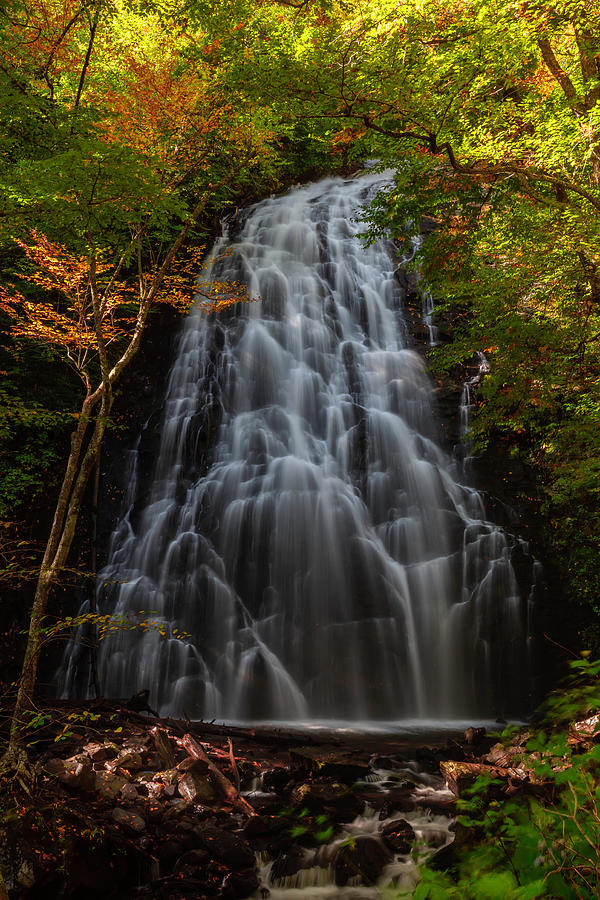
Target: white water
[
  {"x": 323, "y": 557},
  {"x": 316, "y": 876}
]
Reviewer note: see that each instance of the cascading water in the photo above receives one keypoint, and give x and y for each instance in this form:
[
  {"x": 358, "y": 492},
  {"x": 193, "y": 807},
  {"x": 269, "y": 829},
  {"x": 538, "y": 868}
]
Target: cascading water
[{"x": 322, "y": 558}]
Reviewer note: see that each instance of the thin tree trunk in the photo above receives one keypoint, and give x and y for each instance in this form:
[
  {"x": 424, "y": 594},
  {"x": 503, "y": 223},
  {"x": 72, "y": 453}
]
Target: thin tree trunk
[
  {"x": 55, "y": 558},
  {"x": 92, "y": 581}
]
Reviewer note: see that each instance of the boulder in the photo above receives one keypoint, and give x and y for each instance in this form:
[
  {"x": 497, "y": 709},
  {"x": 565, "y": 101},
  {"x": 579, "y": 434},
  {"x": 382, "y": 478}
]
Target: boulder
[
  {"x": 338, "y": 765},
  {"x": 276, "y": 779},
  {"x": 78, "y": 773},
  {"x": 128, "y": 820},
  {"x": 195, "y": 788},
  {"x": 240, "y": 884},
  {"x": 288, "y": 863},
  {"x": 328, "y": 797},
  {"x": 154, "y": 789},
  {"x": 109, "y": 785},
  {"x": 191, "y": 859},
  {"x": 99, "y": 752},
  {"x": 130, "y": 762},
  {"x": 226, "y": 847},
  {"x": 474, "y": 735},
  {"x": 363, "y": 856},
  {"x": 398, "y": 835},
  {"x": 129, "y": 792}
]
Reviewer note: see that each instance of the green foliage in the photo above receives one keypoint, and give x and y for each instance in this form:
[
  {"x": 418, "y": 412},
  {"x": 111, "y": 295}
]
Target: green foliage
[
  {"x": 36, "y": 402},
  {"x": 545, "y": 843},
  {"x": 106, "y": 624},
  {"x": 313, "y": 828}
]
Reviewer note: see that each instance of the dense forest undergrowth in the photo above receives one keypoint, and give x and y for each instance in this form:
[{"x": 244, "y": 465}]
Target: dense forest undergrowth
[{"x": 129, "y": 129}]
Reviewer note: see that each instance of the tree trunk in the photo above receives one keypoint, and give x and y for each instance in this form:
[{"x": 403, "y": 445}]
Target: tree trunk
[
  {"x": 34, "y": 640},
  {"x": 59, "y": 544}
]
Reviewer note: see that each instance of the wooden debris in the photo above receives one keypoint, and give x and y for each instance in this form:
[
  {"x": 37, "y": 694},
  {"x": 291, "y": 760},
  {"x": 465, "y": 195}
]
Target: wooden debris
[{"x": 196, "y": 751}]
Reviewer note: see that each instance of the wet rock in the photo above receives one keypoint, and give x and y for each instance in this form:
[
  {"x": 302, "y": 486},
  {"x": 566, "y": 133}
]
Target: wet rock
[
  {"x": 78, "y": 773},
  {"x": 436, "y": 804},
  {"x": 264, "y": 825},
  {"x": 153, "y": 811},
  {"x": 129, "y": 820},
  {"x": 169, "y": 776},
  {"x": 398, "y": 835},
  {"x": 276, "y": 779},
  {"x": 333, "y": 798},
  {"x": 164, "y": 748},
  {"x": 288, "y": 863},
  {"x": 129, "y": 792},
  {"x": 427, "y": 756},
  {"x": 191, "y": 859},
  {"x": 474, "y": 735},
  {"x": 154, "y": 762},
  {"x": 337, "y": 765},
  {"x": 263, "y": 803},
  {"x": 364, "y": 857},
  {"x": 272, "y": 833},
  {"x": 154, "y": 789},
  {"x": 240, "y": 884},
  {"x": 145, "y": 776},
  {"x": 397, "y": 799},
  {"x": 130, "y": 762},
  {"x": 108, "y": 785},
  {"x": 171, "y": 850},
  {"x": 195, "y": 788},
  {"x": 99, "y": 752},
  {"x": 225, "y": 847},
  {"x": 387, "y": 763},
  {"x": 54, "y": 767}
]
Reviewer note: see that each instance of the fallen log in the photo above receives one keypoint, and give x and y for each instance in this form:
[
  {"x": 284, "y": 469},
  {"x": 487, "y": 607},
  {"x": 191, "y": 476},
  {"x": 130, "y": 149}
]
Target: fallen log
[
  {"x": 196, "y": 751},
  {"x": 461, "y": 775}
]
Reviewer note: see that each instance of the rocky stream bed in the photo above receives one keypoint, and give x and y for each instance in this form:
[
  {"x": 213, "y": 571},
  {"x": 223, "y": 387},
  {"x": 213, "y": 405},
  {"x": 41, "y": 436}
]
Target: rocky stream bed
[{"x": 127, "y": 805}]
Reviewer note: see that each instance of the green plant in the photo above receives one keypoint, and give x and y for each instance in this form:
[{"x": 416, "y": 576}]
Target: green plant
[{"x": 544, "y": 842}]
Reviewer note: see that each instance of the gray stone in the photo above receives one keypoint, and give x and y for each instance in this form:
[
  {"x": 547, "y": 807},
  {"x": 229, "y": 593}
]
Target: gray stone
[
  {"x": 131, "y": 762},
  {"x": 129, "y": 792},
  {"x": 128, "y": 820},
  {"x": 78, "y": 773},
  {"x": 109, "y": 785},
  {"x": 195, "y": 789},
  {"x": 364, "y": 858}
]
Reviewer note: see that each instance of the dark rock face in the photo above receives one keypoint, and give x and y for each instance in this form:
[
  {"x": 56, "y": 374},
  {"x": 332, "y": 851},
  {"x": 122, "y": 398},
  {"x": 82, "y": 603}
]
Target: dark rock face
[
  {"x": 326, "y": 797},
  {"x": 364, "y": 857},
  {"x": 398, "y": 835},
  {"x": 288, "y": 863},
  {"x": 226, "y": 847}
]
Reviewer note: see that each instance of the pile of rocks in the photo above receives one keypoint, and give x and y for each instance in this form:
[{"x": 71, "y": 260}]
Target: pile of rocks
[{"x": 146, "y": 810}]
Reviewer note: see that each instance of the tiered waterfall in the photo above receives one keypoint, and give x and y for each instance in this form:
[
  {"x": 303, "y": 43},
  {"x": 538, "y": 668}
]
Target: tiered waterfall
[{"x": 321, "y": 556}]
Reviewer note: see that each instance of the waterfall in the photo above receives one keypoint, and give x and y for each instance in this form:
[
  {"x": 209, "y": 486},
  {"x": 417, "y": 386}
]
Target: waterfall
[{"x": 320, "y": 557}]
